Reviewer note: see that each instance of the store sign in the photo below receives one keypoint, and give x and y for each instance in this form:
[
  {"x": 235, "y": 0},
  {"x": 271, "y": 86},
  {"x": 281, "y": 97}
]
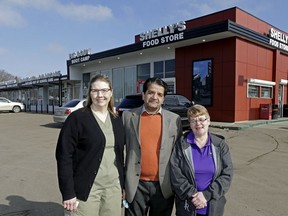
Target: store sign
[
  {"x": 80, "y": 56},
  {"x": 278, "y": 39},
  {"x": 163, "y": 35}
]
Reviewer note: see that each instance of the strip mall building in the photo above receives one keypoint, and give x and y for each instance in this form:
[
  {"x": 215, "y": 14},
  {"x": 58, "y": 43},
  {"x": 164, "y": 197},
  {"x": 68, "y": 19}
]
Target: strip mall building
[{"x": 230, "y": 61}]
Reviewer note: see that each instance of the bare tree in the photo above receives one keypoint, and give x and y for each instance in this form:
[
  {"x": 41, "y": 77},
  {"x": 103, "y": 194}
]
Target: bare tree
[{"x": 5, "y": 76}]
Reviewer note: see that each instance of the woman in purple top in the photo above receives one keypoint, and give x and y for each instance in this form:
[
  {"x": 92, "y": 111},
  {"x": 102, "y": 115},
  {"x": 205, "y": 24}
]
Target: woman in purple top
[{"x": 201, "y": 168}]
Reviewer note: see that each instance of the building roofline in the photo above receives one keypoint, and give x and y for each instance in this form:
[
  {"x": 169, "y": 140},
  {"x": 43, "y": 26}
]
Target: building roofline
[{"x": 227, "y": 27}]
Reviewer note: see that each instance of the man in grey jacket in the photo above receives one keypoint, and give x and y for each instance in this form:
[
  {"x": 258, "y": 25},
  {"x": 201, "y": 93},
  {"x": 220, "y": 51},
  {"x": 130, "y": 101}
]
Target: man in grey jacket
[{"x": 151, "y": 133}]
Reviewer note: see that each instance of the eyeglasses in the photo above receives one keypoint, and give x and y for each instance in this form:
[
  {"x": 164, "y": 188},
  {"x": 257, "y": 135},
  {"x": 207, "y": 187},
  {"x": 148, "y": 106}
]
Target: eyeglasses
[
  {"x": 201, "y": 120},
  {"x": 102, "y": 91}
]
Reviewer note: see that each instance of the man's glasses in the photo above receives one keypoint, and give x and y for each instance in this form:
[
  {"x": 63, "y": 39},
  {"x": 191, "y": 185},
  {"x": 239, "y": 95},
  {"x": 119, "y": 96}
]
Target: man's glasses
[
  {"x": 102, "y": 91},
  {"x": 201, "y": 120}
]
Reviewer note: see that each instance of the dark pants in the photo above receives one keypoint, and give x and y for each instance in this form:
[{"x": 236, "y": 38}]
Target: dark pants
[{"x": 149, "y": 199}]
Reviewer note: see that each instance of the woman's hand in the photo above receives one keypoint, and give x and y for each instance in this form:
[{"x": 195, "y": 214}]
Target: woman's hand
[
  {"x": 71, "y": 204},
  {"x": 199, "y": 201}
]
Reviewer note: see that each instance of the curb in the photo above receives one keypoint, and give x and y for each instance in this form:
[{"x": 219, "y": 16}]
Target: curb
[{"x": 242, "y": 125}]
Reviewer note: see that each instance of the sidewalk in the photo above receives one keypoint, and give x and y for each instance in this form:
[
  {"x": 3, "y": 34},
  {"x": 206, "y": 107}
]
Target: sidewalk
[{"x": 242, "y": 125}]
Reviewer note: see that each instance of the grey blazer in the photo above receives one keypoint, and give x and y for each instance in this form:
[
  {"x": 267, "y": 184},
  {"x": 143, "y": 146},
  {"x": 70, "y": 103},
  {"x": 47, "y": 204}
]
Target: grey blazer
[{"x": 171, "y": 131}]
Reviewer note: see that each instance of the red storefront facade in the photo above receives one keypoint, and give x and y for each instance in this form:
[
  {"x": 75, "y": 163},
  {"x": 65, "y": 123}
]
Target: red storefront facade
[{"x": 236, "y": 61}]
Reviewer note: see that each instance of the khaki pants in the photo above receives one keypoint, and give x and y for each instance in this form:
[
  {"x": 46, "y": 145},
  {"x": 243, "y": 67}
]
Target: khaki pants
[{"x": 101, "y": 202}]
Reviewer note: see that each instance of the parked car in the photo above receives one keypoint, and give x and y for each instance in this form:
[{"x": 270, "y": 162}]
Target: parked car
[
  {"x": 61, "y": 113},
  {"x": 173, "y": 102},
  {"x": 7, "y": 105}
]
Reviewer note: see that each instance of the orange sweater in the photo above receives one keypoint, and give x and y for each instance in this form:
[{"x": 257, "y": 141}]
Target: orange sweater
[{"x": 150, "y": 139}]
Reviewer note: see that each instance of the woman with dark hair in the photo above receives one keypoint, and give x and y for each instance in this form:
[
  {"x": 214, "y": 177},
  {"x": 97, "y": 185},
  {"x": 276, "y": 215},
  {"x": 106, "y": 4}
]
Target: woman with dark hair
[{"x": 90, "y": 155}]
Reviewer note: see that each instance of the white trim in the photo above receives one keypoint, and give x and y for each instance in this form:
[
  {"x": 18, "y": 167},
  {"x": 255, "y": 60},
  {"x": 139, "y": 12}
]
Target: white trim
[
  {"x": 261, "y": 82},
  {"x": 283, "y": 82}
]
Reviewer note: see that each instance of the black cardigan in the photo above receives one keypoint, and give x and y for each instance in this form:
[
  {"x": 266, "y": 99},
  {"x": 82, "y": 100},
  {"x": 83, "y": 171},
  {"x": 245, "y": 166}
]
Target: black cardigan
[{"x": 79, "y": 151}]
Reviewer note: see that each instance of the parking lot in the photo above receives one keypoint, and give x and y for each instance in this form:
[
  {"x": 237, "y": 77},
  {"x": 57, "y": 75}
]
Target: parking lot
[{"x": 28, "y": 183}]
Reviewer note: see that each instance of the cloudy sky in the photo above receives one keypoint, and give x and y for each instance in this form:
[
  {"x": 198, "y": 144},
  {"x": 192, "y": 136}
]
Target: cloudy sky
[{"x": 36, "y": 36}]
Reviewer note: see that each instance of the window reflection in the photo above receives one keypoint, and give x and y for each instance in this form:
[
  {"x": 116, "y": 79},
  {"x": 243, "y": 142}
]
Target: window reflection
[{"x": 202, "y": 82}]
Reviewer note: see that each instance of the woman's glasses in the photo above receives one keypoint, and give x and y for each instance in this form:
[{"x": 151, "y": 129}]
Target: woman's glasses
[
  {"x": 102, "y": 91},
  {"x": 201, "y": 120}
]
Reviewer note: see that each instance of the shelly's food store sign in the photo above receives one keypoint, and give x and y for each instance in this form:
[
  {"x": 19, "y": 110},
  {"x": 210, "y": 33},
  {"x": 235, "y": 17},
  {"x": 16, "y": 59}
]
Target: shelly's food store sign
[
  {"x": 163, "y": 35},
  {"x": 278, "y": 39}
]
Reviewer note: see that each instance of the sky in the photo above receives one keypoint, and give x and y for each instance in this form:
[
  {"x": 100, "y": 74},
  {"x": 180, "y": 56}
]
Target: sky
[{"x": 37, "y": 36}]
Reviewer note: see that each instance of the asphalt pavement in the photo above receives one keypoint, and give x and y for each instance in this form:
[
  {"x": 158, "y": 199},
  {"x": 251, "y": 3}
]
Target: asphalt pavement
[{"x": 28, "y": 182}]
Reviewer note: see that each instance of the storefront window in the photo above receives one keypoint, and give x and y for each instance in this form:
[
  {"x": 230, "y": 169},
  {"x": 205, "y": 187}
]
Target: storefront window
[
  {"x": 253, "y": 91},
  {"x": 143, "y": 71},
  {"x": 33, "y": 96},
  {"x": 76, "y": 90},
  {"x": 108, "y": 73},
  {"x": 266, "y": 92},
  {"x": 256, "y": 91},
  {"x": 170, "y": 68},
  {"x": 53, "y": 92},
  {"x": 86, "y": 80},
  {"x": 202, "y": 82},
  {"x": 118, "y": 85},
  {"x": 130, "y": 82},
  {"x": 159, "y": 69},
  {"x": 171, "y": 88},
  {"x": 164, "y": 69}
]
